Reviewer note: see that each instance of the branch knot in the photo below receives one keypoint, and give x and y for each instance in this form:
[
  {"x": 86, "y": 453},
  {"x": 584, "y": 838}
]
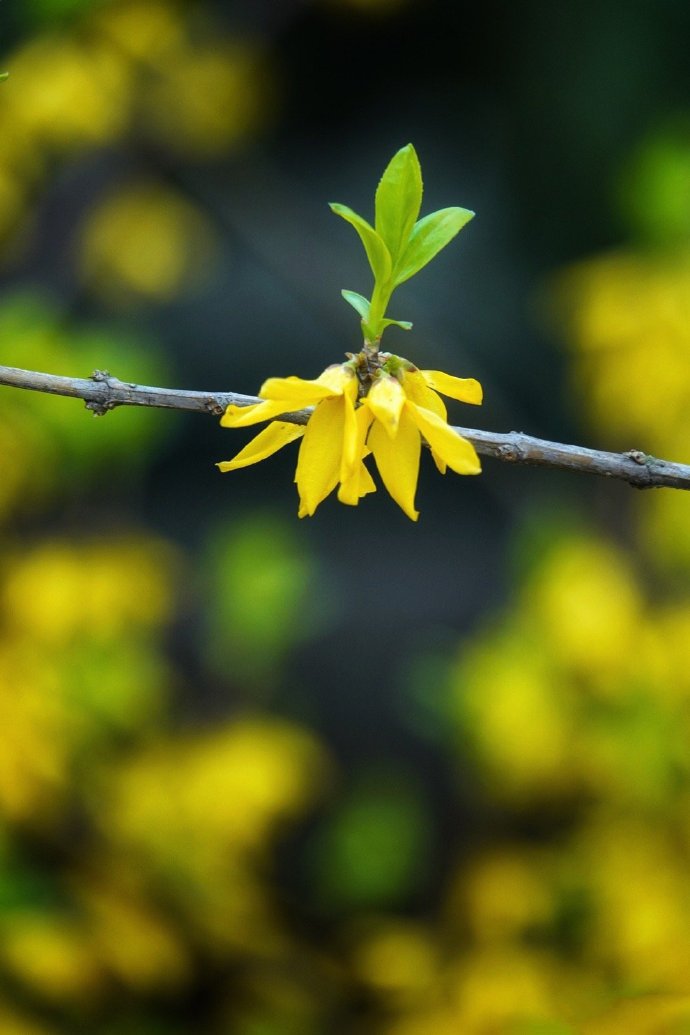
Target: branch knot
[
  {"x": 637, "y": 456},
  {"x": 99, "y": 407}
]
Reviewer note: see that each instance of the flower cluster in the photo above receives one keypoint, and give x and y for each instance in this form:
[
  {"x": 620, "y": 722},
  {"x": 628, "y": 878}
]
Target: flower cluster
[{"x": 385, "y": 412}]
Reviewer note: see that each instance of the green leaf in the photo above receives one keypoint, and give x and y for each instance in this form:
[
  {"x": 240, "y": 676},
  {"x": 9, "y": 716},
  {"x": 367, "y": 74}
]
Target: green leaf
[
  {"x": 374, "y": 245},
  {"x": 398, "y": 200},
  {"x": 3, "y": 75},
  {"x": 358, "y": 302},
  {"x": 363, "y": 307},
  {"x": 405, "y": 324},
  {"x": 428, "y": 237}
]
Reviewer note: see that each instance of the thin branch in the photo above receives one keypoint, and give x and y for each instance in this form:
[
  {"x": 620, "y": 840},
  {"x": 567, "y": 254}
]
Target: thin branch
[{"x": 101, "y": 392}]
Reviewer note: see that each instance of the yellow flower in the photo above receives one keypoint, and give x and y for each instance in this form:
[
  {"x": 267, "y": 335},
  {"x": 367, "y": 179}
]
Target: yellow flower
[
  {"x": 399, "y": 406},
  {"x": 403, "y": 410},
  {"x": 329, "y": 436}
]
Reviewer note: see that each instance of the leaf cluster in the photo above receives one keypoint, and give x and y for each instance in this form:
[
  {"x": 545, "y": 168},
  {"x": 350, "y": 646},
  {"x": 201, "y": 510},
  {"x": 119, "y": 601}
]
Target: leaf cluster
[{"x": 399, "y": 244}]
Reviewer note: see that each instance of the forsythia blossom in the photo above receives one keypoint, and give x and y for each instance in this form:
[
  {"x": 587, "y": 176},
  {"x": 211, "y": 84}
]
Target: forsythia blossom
[{"x": 386, "y": 411}]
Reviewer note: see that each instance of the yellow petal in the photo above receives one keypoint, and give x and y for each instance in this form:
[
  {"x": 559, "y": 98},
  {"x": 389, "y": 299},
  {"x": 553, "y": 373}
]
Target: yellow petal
[
  {"x": 267, "y": 442},
  {"x": 348, "y": 454},
  {"x": 346, "y": 378},
  {"x": 340, "y": 378},
  {"x": 348, "y": 492},
  {"x": 398, "y": 461},
  {"x": 298, "y": 392},
  {"x": 366, "y": 482},
  {"x": 294, "y": 391},
  {"x": 386, "y": 399},
  {"x": 355, "y": 479},
  {"x": 441, "y": 465},
  {"x": 464, "y": 389},
  {"x": 418, "y": 391},
  {"x": 357, "y": 424},
  {"x": 318, "y": 466},
  {"x": 244, "y": 416},
  {"x": 359, "y": 483},
  {"x": 451, "y": 448}
]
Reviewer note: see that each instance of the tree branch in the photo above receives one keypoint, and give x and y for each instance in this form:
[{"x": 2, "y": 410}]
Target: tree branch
[{"x": 102, "y": 393}]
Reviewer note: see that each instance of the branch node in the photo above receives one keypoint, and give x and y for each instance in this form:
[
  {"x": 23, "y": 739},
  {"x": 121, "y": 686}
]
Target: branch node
[
  {"x": 637, "y": 456},
  {"x": 99, "y": 407},
  {"x": 512, "y": 451}
]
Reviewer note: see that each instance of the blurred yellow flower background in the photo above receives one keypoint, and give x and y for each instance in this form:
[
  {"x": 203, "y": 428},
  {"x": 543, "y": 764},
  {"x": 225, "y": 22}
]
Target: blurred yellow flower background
[{"x": 183, "y": 846}]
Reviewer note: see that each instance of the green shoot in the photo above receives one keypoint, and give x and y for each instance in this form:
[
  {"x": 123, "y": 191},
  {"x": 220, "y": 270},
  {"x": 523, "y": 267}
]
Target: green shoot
[{"x": 400, "y": 244}]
